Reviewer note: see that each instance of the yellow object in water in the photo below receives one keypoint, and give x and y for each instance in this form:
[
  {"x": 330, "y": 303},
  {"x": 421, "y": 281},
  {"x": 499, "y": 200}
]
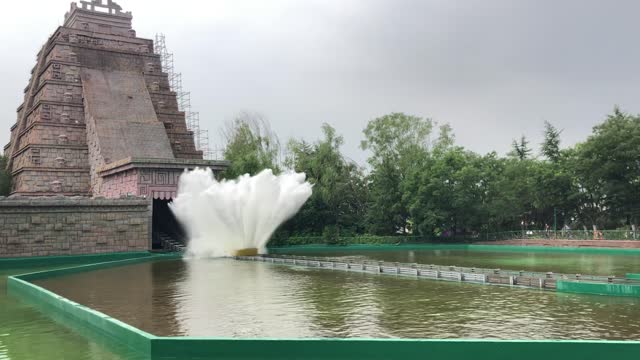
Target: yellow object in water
[{"x": 246, "y": 252}]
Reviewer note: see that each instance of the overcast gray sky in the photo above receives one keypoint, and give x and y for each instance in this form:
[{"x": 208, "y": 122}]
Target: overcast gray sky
[{"x": 493, "y": 69}]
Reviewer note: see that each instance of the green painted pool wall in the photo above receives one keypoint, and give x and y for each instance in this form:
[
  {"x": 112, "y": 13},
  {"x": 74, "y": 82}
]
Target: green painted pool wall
[
  {"x": 584, "y": 287},
  {"x": 497, "y": 248},
  {"x": 41, "y": 261},
  {"x": 48, "y": 302},
  {"x": 389, "y": 349},
  {"x": 167, "y": 348},
  {"x": 632, "y": 276}
]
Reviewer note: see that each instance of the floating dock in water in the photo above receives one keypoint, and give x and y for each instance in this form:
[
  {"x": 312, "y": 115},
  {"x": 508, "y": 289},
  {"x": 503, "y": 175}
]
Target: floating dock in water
[{"x": 576, "y": 283}]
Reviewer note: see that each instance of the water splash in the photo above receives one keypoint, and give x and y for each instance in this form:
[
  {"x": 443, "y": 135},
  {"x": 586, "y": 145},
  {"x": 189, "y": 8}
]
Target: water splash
[{"x": 222, "y": 217}]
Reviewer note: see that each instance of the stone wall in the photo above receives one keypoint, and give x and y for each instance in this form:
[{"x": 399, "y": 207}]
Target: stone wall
[
  {"x": 73, "y": 225},
  {"x": 51, "y": 181}
]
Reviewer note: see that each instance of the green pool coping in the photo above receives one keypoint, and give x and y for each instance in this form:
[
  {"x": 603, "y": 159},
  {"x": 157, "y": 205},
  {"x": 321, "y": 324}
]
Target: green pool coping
[
  {"x": 39, "y": 261},
  {"x": 157, "y": 347},
  {"x": 632, "y": 276},
  {"x": 497, "y": 248},
  {"x": 595, "y": 288}
]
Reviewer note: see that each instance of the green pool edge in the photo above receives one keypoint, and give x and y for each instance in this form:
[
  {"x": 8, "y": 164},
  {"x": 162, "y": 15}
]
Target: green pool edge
[
  {"x": 165, "y": 348},
  {"x": 632, "y": 276}
]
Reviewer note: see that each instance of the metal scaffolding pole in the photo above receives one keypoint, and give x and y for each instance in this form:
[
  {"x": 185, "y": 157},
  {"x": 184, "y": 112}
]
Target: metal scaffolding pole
[{"x": 200, "y": 136}]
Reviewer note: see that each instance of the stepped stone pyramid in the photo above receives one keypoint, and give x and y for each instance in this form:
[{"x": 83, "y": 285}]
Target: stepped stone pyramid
[{"x": 99, "y": 117}]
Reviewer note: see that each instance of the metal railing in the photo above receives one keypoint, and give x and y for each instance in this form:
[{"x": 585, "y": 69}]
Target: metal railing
[{"x": 564, "y": 234}]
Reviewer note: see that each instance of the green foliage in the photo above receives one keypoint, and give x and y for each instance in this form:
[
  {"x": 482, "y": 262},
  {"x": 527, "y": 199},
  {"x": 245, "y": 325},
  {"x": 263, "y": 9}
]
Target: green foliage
[
  {"x": 339, "y": 194},
  {"x": 250, "y": 146},
  {"x": 551, "y": 144},
  {"x": 331, "y": 236},
  {"x": 5, "y": 177},
  {"x": 608, "y": 170},
  {"x": 396, "y": 142},
  {"x": 421, "y": 190},
  {"x": 520, "y": 149}
]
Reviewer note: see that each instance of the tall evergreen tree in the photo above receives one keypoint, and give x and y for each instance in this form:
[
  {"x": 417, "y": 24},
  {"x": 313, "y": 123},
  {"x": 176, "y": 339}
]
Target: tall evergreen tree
[
  {"x": 550, "y": 147},
  {"x": 520, "y": 149}
]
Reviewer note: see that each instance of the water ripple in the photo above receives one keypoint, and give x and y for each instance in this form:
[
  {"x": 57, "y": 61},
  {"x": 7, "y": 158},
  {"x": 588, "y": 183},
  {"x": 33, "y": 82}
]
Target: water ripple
[{"x": 243, "y": 299}]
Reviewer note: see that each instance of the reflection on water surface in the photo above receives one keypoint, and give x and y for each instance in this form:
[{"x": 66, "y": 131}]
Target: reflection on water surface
[{"x": 227, "y": 298}]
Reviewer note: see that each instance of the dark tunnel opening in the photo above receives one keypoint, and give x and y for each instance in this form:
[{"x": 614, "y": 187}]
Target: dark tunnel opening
[{"x": 165, "y": 224}]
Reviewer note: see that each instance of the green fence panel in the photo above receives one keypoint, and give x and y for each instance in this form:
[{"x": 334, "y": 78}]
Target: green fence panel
[{"x": 584, "y": 287}]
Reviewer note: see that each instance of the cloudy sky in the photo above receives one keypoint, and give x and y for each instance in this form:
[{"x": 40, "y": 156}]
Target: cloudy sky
[{"x": 493, "y": 69}]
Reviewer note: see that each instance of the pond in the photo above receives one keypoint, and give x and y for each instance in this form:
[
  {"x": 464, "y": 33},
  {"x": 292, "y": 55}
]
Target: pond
[{"x": 227, "y": 298}]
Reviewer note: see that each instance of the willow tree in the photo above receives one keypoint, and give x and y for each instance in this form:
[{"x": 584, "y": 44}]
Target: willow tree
[
  {"x": 337, "y": 204},
  {"x": 250, "y": 146}
]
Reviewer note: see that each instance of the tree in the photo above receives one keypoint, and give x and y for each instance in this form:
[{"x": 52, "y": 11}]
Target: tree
[
  {"x": 5, "y": 177},
  {"x": 251, "y": 146},
  {"x": 387, "y": 210},
  {"x": 520, "y": 150},
  {"x": 396, "y": 141},
  {"x": 449, "y": 193},
  {"x": 608, "y": 168},
  {"x": 551, "y": 144},
  {"x": 337, "y": 204}
]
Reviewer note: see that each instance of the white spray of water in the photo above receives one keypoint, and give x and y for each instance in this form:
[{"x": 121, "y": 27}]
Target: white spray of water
[{"x": 221, "y": 217}]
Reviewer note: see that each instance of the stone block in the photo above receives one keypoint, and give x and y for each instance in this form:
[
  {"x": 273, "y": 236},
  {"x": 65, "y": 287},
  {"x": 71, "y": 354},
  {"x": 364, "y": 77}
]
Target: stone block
[
  {"x": 132, "y": 243},
  {"x": 23, "y": 227},
  {"x": 58, "y": 227}
]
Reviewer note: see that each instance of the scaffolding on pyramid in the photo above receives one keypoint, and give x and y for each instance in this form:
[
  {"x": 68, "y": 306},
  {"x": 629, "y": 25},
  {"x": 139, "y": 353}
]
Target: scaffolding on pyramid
[{"x": 200, "y": 136}]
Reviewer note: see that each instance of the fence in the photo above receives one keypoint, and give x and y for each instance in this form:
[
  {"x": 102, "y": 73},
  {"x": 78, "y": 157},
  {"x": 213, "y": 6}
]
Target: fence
[
  {"x": 461, "y": 238},
  {"x": 568, "y": 234}
]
